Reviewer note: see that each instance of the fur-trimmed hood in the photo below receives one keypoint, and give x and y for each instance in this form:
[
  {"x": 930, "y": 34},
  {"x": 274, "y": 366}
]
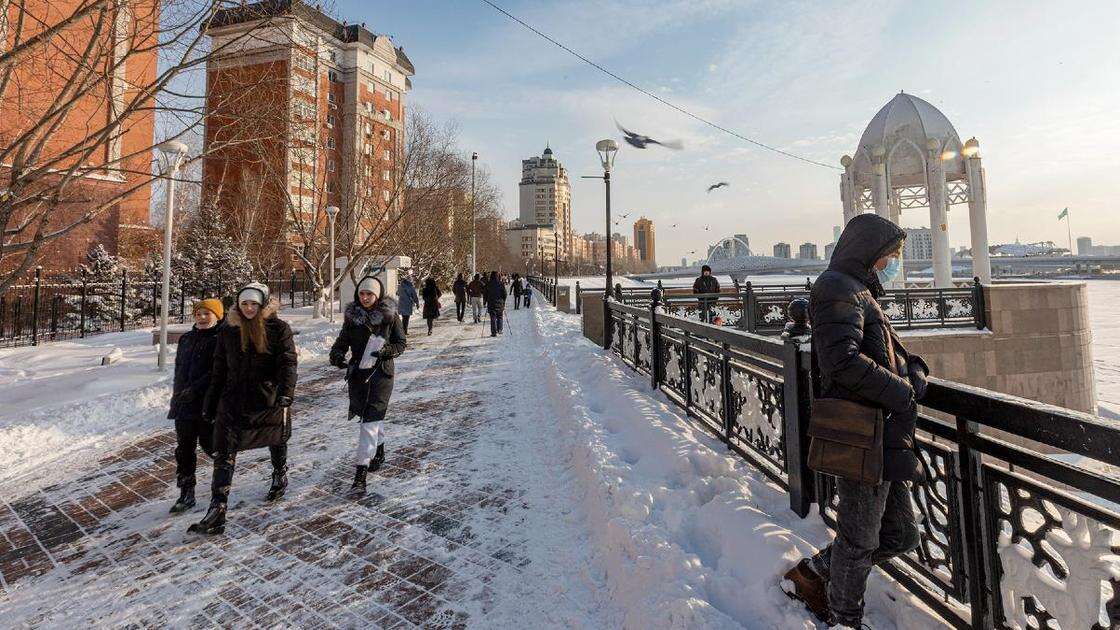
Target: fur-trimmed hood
[
  {"x": 233, "y": 316},
  {"x": 381, "y": 312}
]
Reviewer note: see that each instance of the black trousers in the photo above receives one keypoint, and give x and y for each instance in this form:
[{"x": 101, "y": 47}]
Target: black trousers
[
  {"x": 223, "y": 471},
  {"x": 189, "y": 435},
  {"x": 496, "y": 322},
  {"x": 404, "y": 323},
  {"x": 460, "y": 309},
  {"x": 430, "y": 321},
  {"x": 516, "y": 301}
]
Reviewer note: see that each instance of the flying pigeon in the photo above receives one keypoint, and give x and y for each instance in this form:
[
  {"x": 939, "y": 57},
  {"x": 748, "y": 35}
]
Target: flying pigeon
[
  {"x": 707, "y": 228},
  {"x": 719, "y": 185},
  {"x": 639, "y": 141}
]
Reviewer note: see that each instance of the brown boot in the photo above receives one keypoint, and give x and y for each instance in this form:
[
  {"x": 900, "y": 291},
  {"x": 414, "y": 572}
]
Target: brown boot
[{"x": 804, "y": 584}]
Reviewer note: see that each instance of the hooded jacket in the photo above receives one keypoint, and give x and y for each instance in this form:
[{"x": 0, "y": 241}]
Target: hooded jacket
[
  {"x": 495, "y": 295},
  {"x": 249, "y": 390},
  {"x": 407, "y": 299},
  {"x": 850, "y": 339},
  {"x": 369, "y": 390},
  {"x": 194, "y": 360}
]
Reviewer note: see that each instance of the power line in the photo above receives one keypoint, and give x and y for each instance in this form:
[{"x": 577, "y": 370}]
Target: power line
[{"x": 761, "y": 145}]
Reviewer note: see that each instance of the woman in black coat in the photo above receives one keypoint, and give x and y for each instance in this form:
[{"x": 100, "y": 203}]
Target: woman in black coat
[
  {"x": 194, "y": 360},
  {"x": 373, "y": 334},
  {"x": 430, "y": 294},
  {"x": 250, "y": 396},
  {"x": 495, "y": 302}
]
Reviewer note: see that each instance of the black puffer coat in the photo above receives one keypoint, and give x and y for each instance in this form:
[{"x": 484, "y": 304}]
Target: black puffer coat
[
  {"x": 495, "y": 294},
  {"x": 705, "y": 284},
  {"x": 459, "y": 288},
  {"x": 431, "y": 294},
  {"x": 249, "y": 391},
  {"x": 369, "y": 389},
  {"x": 850, "y": 340},
  {"x": 194, "y": 360}
]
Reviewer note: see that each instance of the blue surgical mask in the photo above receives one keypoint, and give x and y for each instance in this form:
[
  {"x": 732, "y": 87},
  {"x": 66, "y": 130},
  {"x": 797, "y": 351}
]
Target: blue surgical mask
[{"x": 891, "y": 271}]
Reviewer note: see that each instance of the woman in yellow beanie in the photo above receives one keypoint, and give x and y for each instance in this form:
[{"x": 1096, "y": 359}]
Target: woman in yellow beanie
[{"x": 193, "y": 361}]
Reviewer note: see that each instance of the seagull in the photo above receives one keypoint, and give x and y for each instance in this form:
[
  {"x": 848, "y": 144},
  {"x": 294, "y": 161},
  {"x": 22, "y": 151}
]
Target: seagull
[
  {"x": 625, "y": 215},
  {"x": 639, "y": 141},
  {"x": 707, "y": 228},
  {"x": 674, "y": 225},
  {"x": 719, "y": 185}
]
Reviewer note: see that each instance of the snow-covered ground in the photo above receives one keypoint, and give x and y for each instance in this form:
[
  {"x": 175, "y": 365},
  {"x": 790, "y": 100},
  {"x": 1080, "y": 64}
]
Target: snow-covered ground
[
  {"x": 624, "y": 513},
  {"x": 1104, "y": 317}
]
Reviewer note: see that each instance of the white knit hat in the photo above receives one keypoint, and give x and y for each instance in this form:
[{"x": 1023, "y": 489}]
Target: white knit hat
[
  {"x": 253, "y": 292},
  {"x": 371, "y": 284}
]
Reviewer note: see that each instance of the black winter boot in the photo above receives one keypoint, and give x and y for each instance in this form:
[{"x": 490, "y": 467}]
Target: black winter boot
[
  {"x": 359, "y": 485},
  {"x": 185, "y": 502},
  {"x": 213, "y": 523},
  {"x": 378, "y": 458},
  {"x": 279, "y": 485}
]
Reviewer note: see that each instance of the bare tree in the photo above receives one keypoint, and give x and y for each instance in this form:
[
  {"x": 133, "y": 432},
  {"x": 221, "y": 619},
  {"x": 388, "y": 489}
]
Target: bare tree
[{"x": 80, "y": 93}]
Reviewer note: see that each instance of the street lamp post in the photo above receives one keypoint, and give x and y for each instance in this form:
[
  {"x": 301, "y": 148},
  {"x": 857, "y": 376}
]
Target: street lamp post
[
  {"x": 607, "y": 150},
  {"x": 174, "y": 152},
  {"x": 474, "y": 222},
  {"x": 332, "y": 212}
]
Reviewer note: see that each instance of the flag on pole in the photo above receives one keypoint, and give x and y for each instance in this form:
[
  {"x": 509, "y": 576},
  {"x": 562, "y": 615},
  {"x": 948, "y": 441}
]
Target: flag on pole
[{"x": 1064, "y": 214}]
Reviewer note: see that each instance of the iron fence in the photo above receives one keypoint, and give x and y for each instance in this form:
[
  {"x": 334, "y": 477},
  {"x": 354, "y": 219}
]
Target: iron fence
[
  {"x": 546, "y": 286},
  {"x": 55, "y": 308},
  {"x": 1012, "y": 536}
]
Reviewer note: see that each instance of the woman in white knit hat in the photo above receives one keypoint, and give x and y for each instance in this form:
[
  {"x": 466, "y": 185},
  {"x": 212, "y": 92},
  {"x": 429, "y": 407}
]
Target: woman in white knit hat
[{"x": 373, "y": 334}]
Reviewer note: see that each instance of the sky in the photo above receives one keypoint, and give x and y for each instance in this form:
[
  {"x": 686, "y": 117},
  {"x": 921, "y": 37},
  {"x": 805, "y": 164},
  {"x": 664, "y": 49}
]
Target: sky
[{"x": 1037, "y": 83}]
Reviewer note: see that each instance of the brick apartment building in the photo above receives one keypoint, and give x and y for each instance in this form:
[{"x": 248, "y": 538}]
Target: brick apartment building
[
  {"x": 115, "y": 166},
  {"x": 307, "y": 113}
]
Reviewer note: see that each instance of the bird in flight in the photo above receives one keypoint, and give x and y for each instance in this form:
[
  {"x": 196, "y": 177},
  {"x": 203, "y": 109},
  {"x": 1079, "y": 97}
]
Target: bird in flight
[
  {"x": 639, "y": 141},
  {"x": 625, "y": 215},
  {"x": 719, "y": 185},
  {"x": 674, "y": 225},
  {"x": 707, "y": 228}
]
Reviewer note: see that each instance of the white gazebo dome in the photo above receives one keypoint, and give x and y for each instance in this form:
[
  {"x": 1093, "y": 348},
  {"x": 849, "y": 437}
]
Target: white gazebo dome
[{"x": 903, "y": 133}]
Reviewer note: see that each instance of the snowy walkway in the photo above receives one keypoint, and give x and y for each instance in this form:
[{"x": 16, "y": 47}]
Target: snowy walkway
[
  {"x": 468, "y": 523},
  {"x": 532, "y": 481}
]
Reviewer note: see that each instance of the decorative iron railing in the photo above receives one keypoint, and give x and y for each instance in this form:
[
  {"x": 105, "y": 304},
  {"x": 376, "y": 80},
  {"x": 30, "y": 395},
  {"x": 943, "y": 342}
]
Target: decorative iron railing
[
  {"x": 1011, "y": 536},
  {"x": 57, "y": 308}
]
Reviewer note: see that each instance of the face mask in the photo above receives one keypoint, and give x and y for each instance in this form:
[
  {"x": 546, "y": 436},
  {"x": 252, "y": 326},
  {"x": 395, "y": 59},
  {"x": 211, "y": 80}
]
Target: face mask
[{"x": 891, "y": 271}]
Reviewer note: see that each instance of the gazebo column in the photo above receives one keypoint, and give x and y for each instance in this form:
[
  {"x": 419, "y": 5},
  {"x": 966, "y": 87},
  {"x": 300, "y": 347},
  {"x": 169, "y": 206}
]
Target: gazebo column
[
  {"x": 938, "y": 217},
  {"x": 848, "y": 195},
  {"x": 978, "y": 213},
  {"x": 880, "y": 195}
]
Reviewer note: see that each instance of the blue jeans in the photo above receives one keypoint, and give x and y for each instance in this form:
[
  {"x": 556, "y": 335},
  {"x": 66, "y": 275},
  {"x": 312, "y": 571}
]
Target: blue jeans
[
  {"x": 873, "y": 525},
  {"x": 496, "y": 322}
]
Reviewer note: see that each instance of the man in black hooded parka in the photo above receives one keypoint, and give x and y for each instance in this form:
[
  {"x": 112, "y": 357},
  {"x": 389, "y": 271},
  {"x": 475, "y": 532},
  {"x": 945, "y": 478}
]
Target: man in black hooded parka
[
  {"x": 852, "y": 343},
  {"x": 373, "y": 334}
]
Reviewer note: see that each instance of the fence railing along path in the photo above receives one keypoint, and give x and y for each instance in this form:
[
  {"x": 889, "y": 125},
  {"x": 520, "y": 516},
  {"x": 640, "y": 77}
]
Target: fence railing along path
[
  {"x": 762, "y": 308},
  {"x": 1011, "y": 535},
  {"x": 57, "y": 308}
]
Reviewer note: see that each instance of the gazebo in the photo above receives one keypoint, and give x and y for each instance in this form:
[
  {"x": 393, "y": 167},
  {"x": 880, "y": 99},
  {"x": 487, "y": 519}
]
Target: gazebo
[{"x": 910, "y": 156}]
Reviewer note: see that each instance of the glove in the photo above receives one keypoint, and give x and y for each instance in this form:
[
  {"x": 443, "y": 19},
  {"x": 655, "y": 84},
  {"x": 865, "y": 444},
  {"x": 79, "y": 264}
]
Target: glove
[
  {"x": 338, "y": 361},
  {"x": 918, "y": 371},
  {"x": 375, "y": 345},
  {"x": 284, "y": 401}
]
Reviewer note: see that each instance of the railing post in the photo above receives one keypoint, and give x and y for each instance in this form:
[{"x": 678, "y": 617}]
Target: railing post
[
  {"x": 654, "y": 340},
  {"x": 941, "y": 305},
  {"x": 124, "y": 296},
  {"x": 751, "y": 305},
  {"x": 183, "y": 301},
  {"x": 797, "y": 390},
  {"x": 973, "y": 527},
  {"x": 292, "y": 289},
  {"x": 579, "y": 307},
  {"x": 35, "y": 306},
  {"x": 728, "y": 392},
  {"x": 687, "y": 374},
  {"x": 979, "y": 315},
  {"x": 82, "y": 306}
]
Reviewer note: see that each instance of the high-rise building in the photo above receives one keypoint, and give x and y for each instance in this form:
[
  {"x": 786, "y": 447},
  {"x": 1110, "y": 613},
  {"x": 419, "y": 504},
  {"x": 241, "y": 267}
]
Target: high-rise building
[
  {"x": 546, "y": 197},
  {"x": 781, "y": 250},
  {"x": 741, "y": 246},
  {"x": 836, "y": 231},
  {"x": 828, "y": 249},
  {"x": 919, "y": 244},
  {"x": 321, "y": 106},
  {"x": 808, "y": 251},
  {"x": 644, "y": 242},
  {"x": 535, "y": 245},
  {"x": 1084, "y": 246},
  {"x": 684, "y": 261}
]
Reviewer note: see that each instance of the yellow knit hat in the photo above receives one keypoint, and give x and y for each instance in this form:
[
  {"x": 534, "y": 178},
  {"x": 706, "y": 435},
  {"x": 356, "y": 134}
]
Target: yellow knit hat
[{"x": 213, "y": 305}]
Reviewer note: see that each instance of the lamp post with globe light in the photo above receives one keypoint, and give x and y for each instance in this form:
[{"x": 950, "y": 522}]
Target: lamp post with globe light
[
  {"x": 174, "y": 152},
  {"x": 607, "y": 150},
  {"x": 332, "y": 212}
]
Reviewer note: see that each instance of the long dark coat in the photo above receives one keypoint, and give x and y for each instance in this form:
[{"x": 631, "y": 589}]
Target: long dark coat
[
  {"x": 850, "y": 340},
  {"x": 370, "y": 389},
  {"x": 247, "y": 387},
  {"x": 194, "y": 360},
  {"x": 459, "y": 288},
  {"x": 495, "y": 295},
  {"x": 431, "y": 295}
]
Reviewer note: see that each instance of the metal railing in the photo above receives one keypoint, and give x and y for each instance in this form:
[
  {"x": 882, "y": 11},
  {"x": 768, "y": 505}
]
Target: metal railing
[
  {"x": 1010, "y": 536},
  {"x": 546, "y": 286},
  {"x": 46, "y": 308}
]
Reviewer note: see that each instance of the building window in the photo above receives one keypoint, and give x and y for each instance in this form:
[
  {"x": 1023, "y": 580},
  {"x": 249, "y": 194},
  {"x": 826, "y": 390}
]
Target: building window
[
  {"x": 331, "y": 100},
  {"x": 385, "y": 175},
  {"x": 332, "y": 76},
  {"x": 330, "y": 165},
  {"x": 333, "y": 55},
  {"x": 330, "y": 120},
  {"x": 330, "y": 142},
  {"x": 388, "y": 156},
  {"x": 388, "y": 76},
  {"x": 385, "y": 195}
]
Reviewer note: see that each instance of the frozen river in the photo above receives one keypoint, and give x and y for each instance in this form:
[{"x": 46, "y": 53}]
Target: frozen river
[{"x": 1104, "y": 315}]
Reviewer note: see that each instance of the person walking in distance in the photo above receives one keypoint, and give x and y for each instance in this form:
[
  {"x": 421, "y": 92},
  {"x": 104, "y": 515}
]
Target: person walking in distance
[
  {"x": 861, "y": 359},
  {"x": 373, "y": 334},
  {"x": 250, "y": 396},
  {"x": 431, "y": 294},
  {"x": 474, "y": 291},
  {"x": 705, "y": 284},
  {"x": 527, "y": 293},
  {"x": 495, "y": 302},
  {"x": 515, "y": 288},
  {"x": 407, "y": 299},
  {"x": 194, "y": 360},
  {"x": 459, "y": 288}
]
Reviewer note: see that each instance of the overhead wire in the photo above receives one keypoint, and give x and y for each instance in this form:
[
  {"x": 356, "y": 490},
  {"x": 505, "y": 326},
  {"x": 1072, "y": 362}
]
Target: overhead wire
[{"x": 631, "y": 84}]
